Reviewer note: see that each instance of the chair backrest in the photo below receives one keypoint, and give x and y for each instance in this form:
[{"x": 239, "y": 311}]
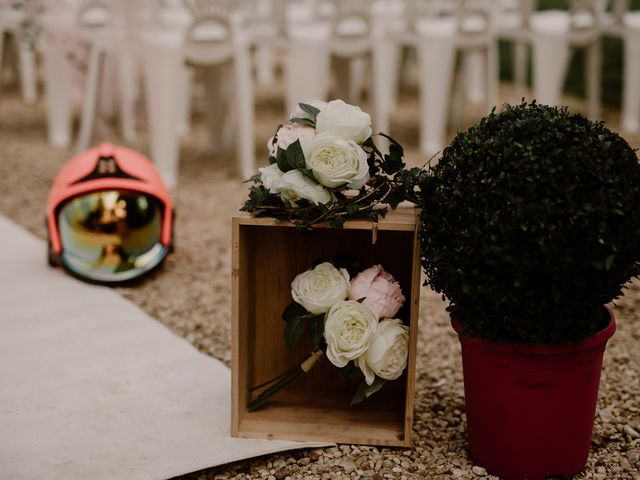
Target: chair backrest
[
  {"x": 475, "y": 15},
  {"x": 267, "y": 18},
  {"x": 586, "y": 16},
  {"x": 208, "y": 39},
  {"x": 618, "y": 9},
  {"x": 521, "y": 11},
  {"x": 94, "y": 13},
  {"x": 430, "y": 8},
  {"x": 22, "y": 17},
  {"x": 351, "y": 28}
]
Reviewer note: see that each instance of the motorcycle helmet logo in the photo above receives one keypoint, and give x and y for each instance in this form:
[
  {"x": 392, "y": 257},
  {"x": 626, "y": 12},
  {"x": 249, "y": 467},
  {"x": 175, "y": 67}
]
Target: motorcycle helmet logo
[{"x": 109, "y": 216}]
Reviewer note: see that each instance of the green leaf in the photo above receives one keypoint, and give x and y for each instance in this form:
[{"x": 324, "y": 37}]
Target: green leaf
[
  {"x": 304, "y": 121},
  {"x": 296, "y": 155},
  {"x": 292, "y": 158},
  {"x": 316, "y": 329},
  {"x": 293, "y": 330},
  {"x": 365, "y": 391},
  {"x": 609, "y": 261},
  {"x": 336, "y": 222},
  {"x": 310, "y": 109},
  {"x": 351, "y": 371},
  {"x": 282, "y": 159},
  {"x": 371, "y": 144},
  {"x": 294, "y": 310}
]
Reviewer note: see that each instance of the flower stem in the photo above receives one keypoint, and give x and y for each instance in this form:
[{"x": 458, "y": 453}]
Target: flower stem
[{"x": 284, "y": 380}]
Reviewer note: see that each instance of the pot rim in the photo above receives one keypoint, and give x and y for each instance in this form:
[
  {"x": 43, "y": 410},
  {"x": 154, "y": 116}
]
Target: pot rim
[{"x": 597, "y": 340}]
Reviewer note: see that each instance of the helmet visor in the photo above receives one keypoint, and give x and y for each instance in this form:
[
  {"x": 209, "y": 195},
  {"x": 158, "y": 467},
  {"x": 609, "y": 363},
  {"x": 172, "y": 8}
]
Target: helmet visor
[{"x": 111, "y": 236}]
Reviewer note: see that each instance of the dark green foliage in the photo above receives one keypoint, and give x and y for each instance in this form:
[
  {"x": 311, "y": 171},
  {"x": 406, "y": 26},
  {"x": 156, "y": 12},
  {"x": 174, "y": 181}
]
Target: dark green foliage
[
  {"x": 365, "y": 391},
  {"x": 389, "y": 185},
  {"x": 298, "y": 318},
  {"x": 531, "y": 222},
  {"x": 291, "y": 158}
]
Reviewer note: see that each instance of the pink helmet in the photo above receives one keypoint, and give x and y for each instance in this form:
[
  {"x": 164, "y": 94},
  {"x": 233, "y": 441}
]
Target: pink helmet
[{"x": 109, "y": 216}]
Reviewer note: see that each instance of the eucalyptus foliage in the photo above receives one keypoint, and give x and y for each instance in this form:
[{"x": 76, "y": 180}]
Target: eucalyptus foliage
[{"x": 531, "y": 223}]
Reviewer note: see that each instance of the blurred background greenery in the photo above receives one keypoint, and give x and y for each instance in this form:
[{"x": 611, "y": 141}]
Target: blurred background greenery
[{"x": 611, "y": 62}]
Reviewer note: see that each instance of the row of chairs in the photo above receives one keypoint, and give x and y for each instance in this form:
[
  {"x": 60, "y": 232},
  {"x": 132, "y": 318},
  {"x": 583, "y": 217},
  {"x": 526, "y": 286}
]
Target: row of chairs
[{"x": 161, "y": 40}]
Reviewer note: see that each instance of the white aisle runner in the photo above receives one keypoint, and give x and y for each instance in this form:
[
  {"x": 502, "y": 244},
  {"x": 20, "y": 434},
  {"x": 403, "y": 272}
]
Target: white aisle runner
[{"x": 91, "y": 387}]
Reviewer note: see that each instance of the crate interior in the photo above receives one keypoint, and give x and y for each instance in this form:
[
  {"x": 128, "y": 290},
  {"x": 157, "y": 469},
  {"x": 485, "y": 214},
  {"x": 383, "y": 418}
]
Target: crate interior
[{"x": 316, "y": 405}]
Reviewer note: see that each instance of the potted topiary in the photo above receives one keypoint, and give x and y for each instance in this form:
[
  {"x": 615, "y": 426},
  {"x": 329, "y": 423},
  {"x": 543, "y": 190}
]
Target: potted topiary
[{"x": 530, "y": 225}]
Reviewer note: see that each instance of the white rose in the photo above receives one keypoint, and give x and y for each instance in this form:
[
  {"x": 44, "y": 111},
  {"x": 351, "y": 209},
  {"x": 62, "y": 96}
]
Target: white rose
[
  {"x": 388, "y": 351},
  {"x": 320, "y": 288},
  {"x": 344, "y": 120},
  {"x": 294, "y": 186},
  {"x": 336, "y": 162},
  {"x": 299, "y": 113},
  {"x": 270, "y": 177},
  {"x": 348, "y": 330}
]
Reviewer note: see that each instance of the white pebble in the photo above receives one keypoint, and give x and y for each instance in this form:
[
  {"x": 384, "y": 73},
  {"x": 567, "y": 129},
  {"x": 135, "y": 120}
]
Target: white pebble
[{"x": 478, "y": 470}]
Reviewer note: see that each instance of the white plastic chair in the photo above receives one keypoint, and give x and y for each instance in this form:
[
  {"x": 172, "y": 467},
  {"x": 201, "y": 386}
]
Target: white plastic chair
[
  {"x": 625, "y": 24},
  {"x": 267, "y": 24},
  {"x": 109, "y": 34},
  {"x": 213, "y": 39},
  {"x": 553, "y": 33},
  {"x": 513, "y": 25},
  {"x": 100, "y": 26},
  {"x": 21, "y": 19},
  {"x": 438, "y": 30}
]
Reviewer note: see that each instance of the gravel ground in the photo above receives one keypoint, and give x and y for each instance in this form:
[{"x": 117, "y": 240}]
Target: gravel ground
[{"x": 191, "y": 295}]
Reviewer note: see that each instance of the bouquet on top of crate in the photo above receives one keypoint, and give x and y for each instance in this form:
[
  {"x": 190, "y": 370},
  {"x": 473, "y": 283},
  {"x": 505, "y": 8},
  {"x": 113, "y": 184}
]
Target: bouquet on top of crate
[{"x": 325, "y": 167}]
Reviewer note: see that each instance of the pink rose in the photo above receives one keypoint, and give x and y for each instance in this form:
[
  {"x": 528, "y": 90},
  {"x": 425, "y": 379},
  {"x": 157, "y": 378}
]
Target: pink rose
[
  {"x": 380, "y": 291},
  {"x": 289, "y": 133}
]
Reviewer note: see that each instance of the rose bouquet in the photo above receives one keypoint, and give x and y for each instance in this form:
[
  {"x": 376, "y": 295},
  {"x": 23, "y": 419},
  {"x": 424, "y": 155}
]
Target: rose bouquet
[
  {"x": 351, "y": 321},
  {"x": 325, "y": 167}
]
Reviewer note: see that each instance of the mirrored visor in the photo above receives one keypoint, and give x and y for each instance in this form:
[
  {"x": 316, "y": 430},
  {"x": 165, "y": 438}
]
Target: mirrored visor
[{"x": 111, "y": 236}]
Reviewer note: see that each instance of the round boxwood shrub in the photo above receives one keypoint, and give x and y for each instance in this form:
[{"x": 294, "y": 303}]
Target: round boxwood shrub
[{"x": 531, "y": 223}]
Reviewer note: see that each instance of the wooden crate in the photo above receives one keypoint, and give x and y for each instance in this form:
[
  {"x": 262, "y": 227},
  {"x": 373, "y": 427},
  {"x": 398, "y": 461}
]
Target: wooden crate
[{"x": 267, "y": 255}]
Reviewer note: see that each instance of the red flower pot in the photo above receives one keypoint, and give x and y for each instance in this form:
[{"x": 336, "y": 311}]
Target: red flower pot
[{"x": 530, "y": 408}]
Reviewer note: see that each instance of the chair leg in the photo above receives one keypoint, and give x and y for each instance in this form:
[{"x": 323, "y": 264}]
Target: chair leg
[
  {"x": 215, "y": 107},
  {"x": 230, "y": 115},
  {"x": 550, "y": 59},
  {"x": 184, "y": 94},
  {"x": 162, "y": 67},
  {"x": 127, "y": 95},
  {"x": 58, "y": 93},
  {"x": 385, "y": 63},
  {"x": 265, "y": 61},
  {"x": 91, "y": 97},
  {"x": 631, "y": 88},
  {"x": 342, "y": 67},
  {"x": 492, "y": 73},
  {"x": 27, "y": 66},
  {"x": 474, "y": 66},
  {"x": 357, "y": 74},
  {"x": 436, "y": 58},
  {"x": 2, "y": 43},
  {"x": 593, "y": 73},
  {"x": 519, "y": 68},
  {"x": 244, "y": 103}
]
